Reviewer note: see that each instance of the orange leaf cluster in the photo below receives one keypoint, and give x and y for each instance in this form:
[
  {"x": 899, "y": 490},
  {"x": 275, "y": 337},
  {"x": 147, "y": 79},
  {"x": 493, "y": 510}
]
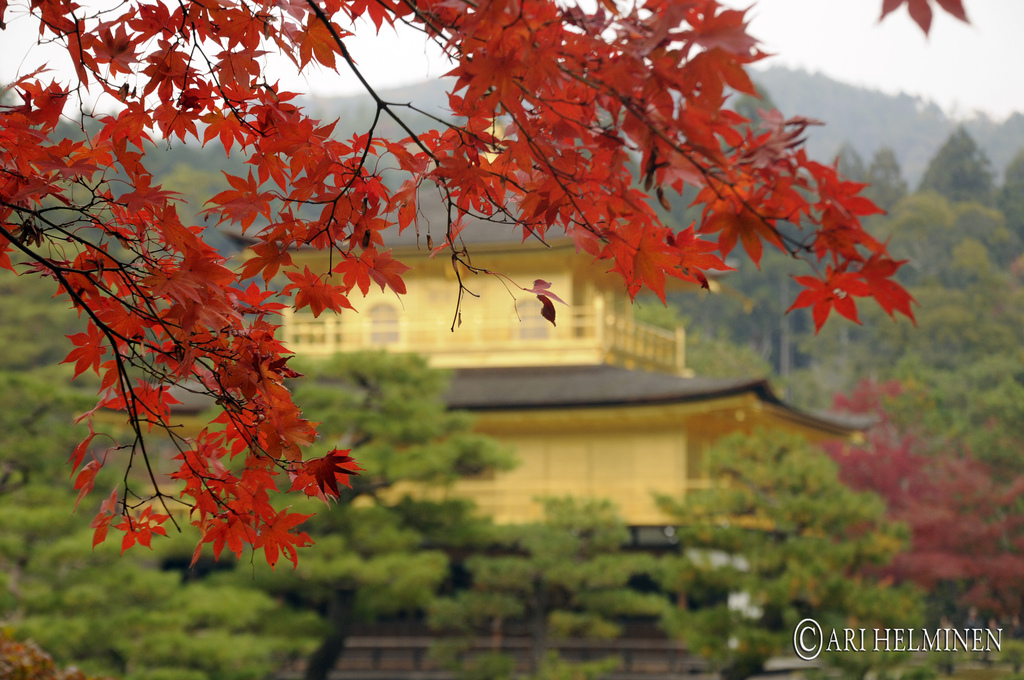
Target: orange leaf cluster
[{"x": 605, "y": 111}]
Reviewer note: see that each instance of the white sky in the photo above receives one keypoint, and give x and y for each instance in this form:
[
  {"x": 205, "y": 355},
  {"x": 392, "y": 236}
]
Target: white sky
[{"x": 962, "y": 68}]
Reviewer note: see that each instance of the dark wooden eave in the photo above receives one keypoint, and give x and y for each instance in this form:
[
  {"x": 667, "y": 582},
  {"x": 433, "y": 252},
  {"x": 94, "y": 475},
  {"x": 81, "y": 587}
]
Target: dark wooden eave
[{"x": 570, "y": 387}]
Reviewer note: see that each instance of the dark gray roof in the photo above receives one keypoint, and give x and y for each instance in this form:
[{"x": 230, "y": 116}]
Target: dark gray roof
[
  {"x": 542, "y": 387},
  {"x": 592, "y": 386},
  {"x": 192, "y": 401},
  {"x": 482, "y": 389},
  {"x": 433, "y": 220}
]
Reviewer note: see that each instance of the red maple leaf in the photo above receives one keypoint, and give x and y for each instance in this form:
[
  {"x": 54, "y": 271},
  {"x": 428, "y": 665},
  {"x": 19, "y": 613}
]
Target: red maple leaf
[
  {"x": 244, "y": 202},
  {"x": 726, "y": 29},
  {"x": 384, "y": 270},
  {"x": 542, "y": 289},
  {"x": 321, "y": 476},
  {"x": 140, "y": 529},
  {"x": 892, "y": 297},
  {"x": 837, "y": 290},
  {"x": 310, "y": 290},
  {"x": 227, "y": 529},
  {"x": 108, "y": 511},
  {"x": 750, "y": 229},
  {"x": 921, "y": 11},
  {"x": 276, "y": 536},
  {"x": 89, "y": 350},
  {"x": 268, "y": 258},
  {"x": 86, "y": 480},
  {"x": 317, "y": 42}
]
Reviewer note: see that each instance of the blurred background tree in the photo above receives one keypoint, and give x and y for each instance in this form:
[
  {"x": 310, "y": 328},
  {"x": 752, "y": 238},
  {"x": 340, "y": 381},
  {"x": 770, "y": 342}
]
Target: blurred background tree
[
  {"x": 566, "y": 576},
  {"x": 381, "y": 549},
  {"x": 960, "y": 170},
  {"x": 965, "y": 515},
  {"x": 777, "y": 539},
  {"x": 886, "y": 179},
  {"x": 132, "y": 617}
]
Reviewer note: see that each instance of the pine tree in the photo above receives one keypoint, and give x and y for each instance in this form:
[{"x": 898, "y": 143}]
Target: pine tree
[
  {"x": 381, "y": 549},
  {"x": 851, "y": 165},
  {"x": 886, "y": 179},
  {"x": 960, "y": 171},
  {"x": 1011, "y": 195},
  {"x": 778, "y": 539},
  {"x": 126, "y": 617},
  {"x": 565, "y": 576}
]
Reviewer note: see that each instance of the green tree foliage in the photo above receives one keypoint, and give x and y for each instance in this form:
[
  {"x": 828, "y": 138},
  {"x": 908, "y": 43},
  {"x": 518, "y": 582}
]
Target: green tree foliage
[
  {"x": 719, "y": 357},
  {"x": 35, "y": 418},
  {"x": 749, "y": 313},
  {"x": 965, "y": 270},
  {"x": 107, "y": 614},
  {"x": 778, "y": 539},
  {"x": 960, "y": 171},
  {"x": 851, "y": 165},
  {"x": 126, "y": 618},
  {"x": 706, "y": 355},
  {"x": 1011, "y": 196},
  {"x": 886, "y": 179},
  {"x": 977, "y": 406},
  {"x": 563, "y": 577},
  {"x": 195, "y": 185},
  {"x": 970, "y": 307},
  {"x": 32, "y": 326},
  {"x": 1012, "y": 652},
  {"x": 372, "y": 558}
]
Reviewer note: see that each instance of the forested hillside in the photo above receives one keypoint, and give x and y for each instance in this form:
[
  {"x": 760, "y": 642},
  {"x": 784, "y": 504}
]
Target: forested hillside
[
  {"x": 868, "y": 120},
  {"x": 863, "y": 118}
]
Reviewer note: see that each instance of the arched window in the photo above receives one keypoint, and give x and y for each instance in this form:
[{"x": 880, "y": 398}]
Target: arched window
[
  {"x": 383, "y": 325},
  {"x": 534, "y": 327}
]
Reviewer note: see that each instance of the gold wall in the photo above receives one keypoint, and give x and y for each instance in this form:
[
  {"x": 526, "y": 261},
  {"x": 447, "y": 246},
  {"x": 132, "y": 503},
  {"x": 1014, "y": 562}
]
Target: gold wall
[{"x": 627, "y": 454}]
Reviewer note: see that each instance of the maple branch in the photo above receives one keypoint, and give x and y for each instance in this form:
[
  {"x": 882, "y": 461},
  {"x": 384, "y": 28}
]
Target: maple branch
[
  {"x": 171, "y": 308},
  {"x": 127, "y": 392},
  {"x": 343, "y": 50},
  {"x": 150, "y": 313},
  {"x": 712, "y": 180},
  {"x": 356, "y": 174},
  {"x": 428, "y": 23}
]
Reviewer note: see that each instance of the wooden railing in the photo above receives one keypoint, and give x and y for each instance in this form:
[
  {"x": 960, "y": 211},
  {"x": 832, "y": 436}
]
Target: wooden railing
[
  {"x": 583, "y": 335},
  {"x": 637, "y": 340},
  {"x": 409, "y": 658}
]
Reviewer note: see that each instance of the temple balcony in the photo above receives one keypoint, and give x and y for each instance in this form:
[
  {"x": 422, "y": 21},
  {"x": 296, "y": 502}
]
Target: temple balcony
[{"x": 588, "y": 334}]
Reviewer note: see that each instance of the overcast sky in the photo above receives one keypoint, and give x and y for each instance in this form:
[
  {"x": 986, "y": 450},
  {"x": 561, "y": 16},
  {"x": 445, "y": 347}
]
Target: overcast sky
[{"x": 962, "y": 68}]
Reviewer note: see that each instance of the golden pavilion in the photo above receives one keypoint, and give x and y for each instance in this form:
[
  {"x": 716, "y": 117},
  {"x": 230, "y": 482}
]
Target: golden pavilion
[{"x": 599, "y": 405}]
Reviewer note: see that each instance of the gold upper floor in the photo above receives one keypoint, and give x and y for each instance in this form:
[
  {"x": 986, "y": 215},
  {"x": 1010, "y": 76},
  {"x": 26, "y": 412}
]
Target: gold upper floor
[{"x": 497, "y": 323}]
